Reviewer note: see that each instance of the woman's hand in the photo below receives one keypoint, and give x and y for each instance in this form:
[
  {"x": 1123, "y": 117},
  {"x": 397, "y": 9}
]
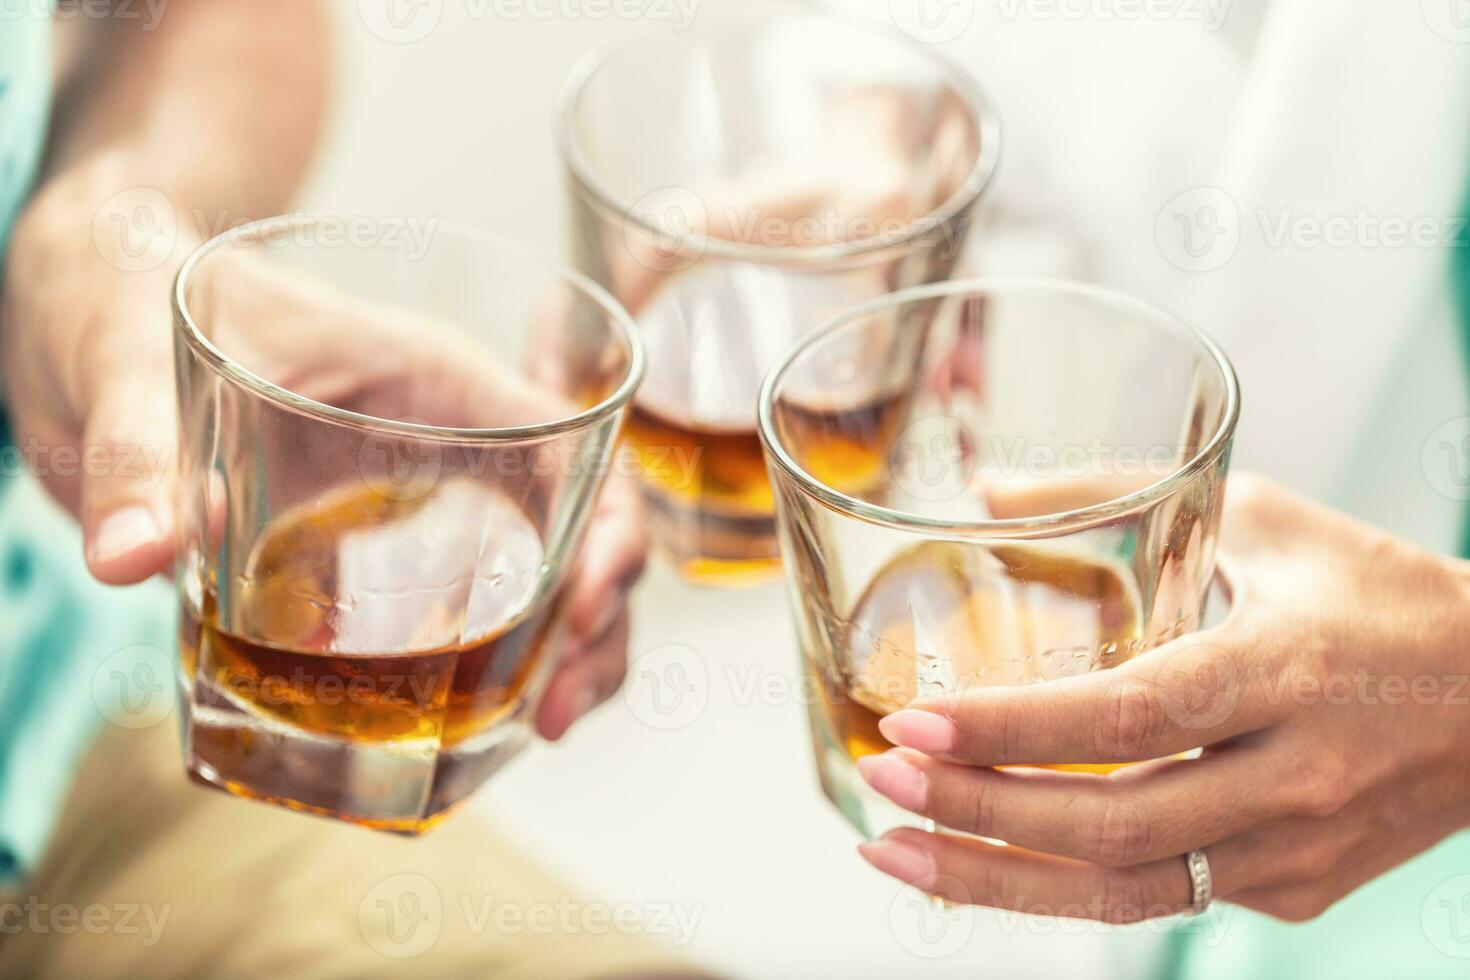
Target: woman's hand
[{"x": 1332, "y": 703}]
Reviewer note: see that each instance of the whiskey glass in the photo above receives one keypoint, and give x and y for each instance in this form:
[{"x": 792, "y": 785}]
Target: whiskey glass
[
  {"x": 1044, "y": 466},
  {"x": 733, "y": 186},
  {"x": 390, "y": 446}
]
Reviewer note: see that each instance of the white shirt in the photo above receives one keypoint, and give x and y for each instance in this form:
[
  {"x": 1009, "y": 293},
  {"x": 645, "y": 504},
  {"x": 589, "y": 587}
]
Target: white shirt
[{"x": 1189, "y": 151}]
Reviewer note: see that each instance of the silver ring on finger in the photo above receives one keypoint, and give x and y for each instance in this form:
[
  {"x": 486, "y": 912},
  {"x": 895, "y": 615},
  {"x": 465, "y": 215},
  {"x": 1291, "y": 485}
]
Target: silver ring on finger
[{"x": 1201, "y": 883}]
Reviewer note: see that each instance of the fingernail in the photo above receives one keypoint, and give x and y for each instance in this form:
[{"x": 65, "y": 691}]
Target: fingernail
[
  {"x": 896, "y": 778},
  {"x": 923, "y": 731},
  {"x": 124, "y": 531},
  {"x": 903, "y": 861}
]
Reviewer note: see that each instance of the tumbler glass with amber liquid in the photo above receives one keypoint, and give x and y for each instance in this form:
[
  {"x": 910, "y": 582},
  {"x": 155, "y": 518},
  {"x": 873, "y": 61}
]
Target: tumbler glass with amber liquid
[
  {"x": 734, "y": 185},
  {"x": 1043, "y": 494},
  {"x": 389, "y": 452}
]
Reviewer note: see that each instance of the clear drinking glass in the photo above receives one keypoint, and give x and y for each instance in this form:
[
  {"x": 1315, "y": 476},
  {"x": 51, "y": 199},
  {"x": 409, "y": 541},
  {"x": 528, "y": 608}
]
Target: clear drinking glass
[
  {"x": 734, "y": 185},
  {"x": 1046, "y": 465},
  {"x": 390, "y": 445}
]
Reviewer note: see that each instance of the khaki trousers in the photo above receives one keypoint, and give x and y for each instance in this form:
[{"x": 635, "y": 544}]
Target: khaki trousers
[{"x": 153, "y": 877}]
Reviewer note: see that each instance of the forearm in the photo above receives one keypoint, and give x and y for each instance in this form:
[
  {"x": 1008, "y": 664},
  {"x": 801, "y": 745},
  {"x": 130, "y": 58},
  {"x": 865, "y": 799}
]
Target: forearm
[
  {"x": 208, "y": 111},
  {"x": 216, "y": 103}
]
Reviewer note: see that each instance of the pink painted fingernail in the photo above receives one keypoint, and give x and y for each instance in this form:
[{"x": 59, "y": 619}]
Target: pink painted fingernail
[
  {"x": 903, "y": 861},
  {"x": 923, "y": 731},
  {"x": 896, "y": 778}
]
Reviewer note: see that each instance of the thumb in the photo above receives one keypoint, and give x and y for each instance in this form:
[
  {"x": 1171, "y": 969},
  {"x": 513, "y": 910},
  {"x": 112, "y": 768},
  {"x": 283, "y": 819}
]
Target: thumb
[{"x": 129, "y": 450}]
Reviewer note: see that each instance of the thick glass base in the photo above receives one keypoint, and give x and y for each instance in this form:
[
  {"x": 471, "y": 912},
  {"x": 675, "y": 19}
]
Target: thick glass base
[
  {"x": 740, "y": 574},
  {"x": 711, "y": 548},
  {"x": 872, "y": 814},
  {"x": 405, "y": 787}
]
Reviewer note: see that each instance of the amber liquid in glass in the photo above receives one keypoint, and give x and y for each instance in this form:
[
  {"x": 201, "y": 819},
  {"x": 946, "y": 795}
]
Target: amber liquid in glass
[
  {"x": 709, "y": 490},
  {"x": 355, "y": 629},
  {"x": 945, "y": 616}
]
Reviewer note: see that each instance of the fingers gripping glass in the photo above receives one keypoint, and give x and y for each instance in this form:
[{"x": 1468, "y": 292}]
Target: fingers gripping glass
[
  {"x": 389, "y": 452},
  {"x": 1040, "y": 469}
]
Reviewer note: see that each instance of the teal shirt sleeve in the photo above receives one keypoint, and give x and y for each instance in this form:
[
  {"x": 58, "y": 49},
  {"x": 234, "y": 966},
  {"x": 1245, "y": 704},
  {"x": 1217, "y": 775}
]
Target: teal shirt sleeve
[
  {"x": 25, "y": 99},
  {"x": 73, "y": 654}
]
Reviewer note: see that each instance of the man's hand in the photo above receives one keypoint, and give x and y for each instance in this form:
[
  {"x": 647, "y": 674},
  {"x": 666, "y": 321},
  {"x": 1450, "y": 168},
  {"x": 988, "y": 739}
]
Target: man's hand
[{"x": 88, "y": 361}]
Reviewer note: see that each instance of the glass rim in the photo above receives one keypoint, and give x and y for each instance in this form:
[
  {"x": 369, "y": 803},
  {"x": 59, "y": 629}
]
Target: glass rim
[
  {"x": 222, "y": 364},
  {"x": 979, "y": 177},
  {"x": 1046, "y": 525}
]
